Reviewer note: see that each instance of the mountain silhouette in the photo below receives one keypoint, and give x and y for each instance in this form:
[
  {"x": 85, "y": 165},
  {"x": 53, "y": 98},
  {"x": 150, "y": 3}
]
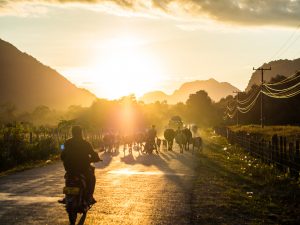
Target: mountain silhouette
[
  {"x": 27, "y": 83},
  {"x": 283, "y": 67},
  {"x": 216, "y": 90}
]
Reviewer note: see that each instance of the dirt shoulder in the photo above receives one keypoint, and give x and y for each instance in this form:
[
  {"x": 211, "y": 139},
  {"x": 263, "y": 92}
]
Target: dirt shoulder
[
  {"x": 31, "y": 165},
  {"x": 234, "y": 188}
]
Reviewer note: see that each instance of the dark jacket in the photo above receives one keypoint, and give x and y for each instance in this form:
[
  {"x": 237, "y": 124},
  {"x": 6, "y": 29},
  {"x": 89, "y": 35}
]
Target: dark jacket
[{"x": 77, "y": 155}]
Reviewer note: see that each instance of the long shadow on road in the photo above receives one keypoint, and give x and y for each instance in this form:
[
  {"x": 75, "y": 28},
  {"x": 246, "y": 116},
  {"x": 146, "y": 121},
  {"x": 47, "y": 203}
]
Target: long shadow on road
[
  {"x": 161, "y": 162},
  {"x": 107, "y": 158}
]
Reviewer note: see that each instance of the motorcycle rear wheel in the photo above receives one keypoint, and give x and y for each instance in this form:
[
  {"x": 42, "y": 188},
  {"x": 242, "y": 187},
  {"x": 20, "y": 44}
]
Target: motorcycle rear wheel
[{"x": 72, "y": 214}]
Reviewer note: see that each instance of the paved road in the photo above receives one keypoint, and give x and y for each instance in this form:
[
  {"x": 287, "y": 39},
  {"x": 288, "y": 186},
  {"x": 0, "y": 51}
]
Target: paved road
[{"x": 130, "y": 189}]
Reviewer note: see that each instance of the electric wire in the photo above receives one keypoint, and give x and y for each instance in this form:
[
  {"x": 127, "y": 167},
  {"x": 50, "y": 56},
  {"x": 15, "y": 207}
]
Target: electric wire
[
  {"x": 270, "y": 90},
  {"x": 285, "y": 44},
  {"x": 249, "y": 98},
  {"x": 284, "y": 81}
]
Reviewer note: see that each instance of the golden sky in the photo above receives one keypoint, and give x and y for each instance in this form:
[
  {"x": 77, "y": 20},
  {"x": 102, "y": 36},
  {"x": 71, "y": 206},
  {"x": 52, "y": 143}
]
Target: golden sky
[{"x": 115, "y": 48}]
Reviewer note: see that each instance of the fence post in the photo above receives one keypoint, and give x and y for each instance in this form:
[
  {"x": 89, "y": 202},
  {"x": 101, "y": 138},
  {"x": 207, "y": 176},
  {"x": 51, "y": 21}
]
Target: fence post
[
  {"x": 270, "y": 152},
  {"x": 280, "y": 152},
  {"x": 284, "y": 157},
  {"x": 30, "y": 137},
  {"x": 291, "y": 160},
  {"x": 297, "y": 158},
  {"x": 260, "y": 155},
  {"x": 275, "y": 148},
  {"x": 263, "y": 150}
]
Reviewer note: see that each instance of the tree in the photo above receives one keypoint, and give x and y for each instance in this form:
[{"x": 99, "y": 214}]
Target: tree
[
  {"x": 200, "y": 109},
  {"x": 175, "y": 122}
]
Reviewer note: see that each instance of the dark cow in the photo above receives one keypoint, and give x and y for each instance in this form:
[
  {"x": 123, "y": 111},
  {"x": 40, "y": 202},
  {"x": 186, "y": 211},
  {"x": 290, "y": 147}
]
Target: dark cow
[
  {"x": 128, "y": 142},
  {"x": 197, "y": 143},
  {"x": 108, "y": 142},
  {"x": 189, "y": 138},
  {"x": 140, "y": 139},
  {"x": 169, "y": 135},
  {"x": 181, "y": 139}
]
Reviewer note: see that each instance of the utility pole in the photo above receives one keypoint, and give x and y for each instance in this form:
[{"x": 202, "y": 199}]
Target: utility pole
[
  {"x": 261, "y": 95},
  {"x": 237, "y": 104}
]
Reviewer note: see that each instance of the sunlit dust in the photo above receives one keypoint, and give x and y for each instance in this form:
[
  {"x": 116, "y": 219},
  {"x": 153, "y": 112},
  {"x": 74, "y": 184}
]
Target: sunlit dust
[{"x": 127, "y": 118}]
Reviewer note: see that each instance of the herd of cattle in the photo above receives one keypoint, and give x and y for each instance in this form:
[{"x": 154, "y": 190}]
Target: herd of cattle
[{"x": 141, "y": 141}]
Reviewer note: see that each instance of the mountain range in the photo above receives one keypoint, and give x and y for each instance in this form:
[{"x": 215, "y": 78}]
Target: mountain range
[
  {"x": 216, "y": 90},
  {"x": 283, "y": 67},
  {"x": 27, "y": 83}
]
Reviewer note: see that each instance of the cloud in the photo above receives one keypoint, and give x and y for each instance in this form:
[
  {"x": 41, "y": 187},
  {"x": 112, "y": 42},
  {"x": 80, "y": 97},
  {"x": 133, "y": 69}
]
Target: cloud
[{"x": 242, "y": 12}]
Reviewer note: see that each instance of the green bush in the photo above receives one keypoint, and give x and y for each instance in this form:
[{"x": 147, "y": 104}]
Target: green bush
[{"x": 15, "y": 151}]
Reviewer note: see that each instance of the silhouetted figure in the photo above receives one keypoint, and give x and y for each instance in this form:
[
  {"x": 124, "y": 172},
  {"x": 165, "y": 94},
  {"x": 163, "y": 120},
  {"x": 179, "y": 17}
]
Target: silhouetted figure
[
  {"x": 152, "y": 133},
  {"x": 181, "y": 139},
  {"x": 169, "y": 136},
  {"x": 77, "y": 157}
]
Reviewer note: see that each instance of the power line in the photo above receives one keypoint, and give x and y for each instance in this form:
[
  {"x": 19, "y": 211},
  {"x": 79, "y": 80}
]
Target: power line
[
  {"x": 261, "y": 96},
  {"x": 286, "y": 80},
  {"x": 285, "y": 43},
  {"x": 295, "y": 40},
  {"x": 250, "y": 106},
  {"x": 269, "y": 89},
  {"x": 249, "y": 98}
]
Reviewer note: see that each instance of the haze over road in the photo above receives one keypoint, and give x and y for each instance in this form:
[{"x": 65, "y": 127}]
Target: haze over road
[{"x": 135, "y": 189}]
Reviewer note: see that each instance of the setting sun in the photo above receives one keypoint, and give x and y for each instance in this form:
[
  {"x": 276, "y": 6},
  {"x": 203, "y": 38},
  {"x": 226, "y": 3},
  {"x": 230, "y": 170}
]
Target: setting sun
[{"x": 125, "y": 68}]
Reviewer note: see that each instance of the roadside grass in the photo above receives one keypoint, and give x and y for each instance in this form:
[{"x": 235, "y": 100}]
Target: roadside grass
[
  {"x": 268, "y": 131},
  {"x": 233, "y": 187},
  {"x": 31, "y": 165}
]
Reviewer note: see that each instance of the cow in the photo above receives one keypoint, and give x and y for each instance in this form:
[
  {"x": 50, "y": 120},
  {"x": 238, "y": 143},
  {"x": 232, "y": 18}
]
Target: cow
[
  {"x": 169, "y": 135},
  {"x": 108, "y": 142},
  {"x": 181, "y": 139},
  {"x": 197, "y": 143},
  {"x": 189, "y": 138}
]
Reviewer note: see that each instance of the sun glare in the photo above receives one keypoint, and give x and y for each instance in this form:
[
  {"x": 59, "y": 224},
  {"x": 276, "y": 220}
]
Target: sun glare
[{"x": 125, "y": 69}]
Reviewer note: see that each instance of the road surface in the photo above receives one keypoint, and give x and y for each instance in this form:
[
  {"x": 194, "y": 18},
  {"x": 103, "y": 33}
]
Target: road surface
[{"x": 130, "y": 189}]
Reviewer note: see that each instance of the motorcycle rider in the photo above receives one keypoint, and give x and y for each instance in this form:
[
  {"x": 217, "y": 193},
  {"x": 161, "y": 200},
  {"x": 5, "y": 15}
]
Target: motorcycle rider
[{"x": 76, "y": 157}]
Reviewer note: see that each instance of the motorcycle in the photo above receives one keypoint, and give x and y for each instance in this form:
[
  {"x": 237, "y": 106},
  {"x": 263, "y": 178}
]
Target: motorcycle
[
  {"x": 78, "y": 191},
  {"x": 76, "y": 198}
]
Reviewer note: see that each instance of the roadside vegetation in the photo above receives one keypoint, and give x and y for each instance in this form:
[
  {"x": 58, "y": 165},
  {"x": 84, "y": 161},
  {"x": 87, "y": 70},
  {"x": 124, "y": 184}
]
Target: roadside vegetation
[
  {"x": 233, "y": 186},
  {"x": 268, "y": 131},
  {"x": 22, "y": 146}
]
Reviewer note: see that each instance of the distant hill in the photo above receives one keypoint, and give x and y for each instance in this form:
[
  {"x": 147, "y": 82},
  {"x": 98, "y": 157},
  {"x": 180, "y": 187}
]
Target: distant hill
[
  {"x": 280, "y": 67},
  {"x": 27, "y": 83},
  {"x": 216, "y": 90},
  {"x": 154, "y": 96}
]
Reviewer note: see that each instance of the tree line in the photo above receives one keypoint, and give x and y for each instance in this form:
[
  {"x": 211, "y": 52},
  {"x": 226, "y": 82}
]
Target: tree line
[{"x": 276, "y": 111}]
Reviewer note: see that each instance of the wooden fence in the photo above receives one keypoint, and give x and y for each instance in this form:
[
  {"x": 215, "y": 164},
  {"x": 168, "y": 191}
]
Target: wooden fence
[
  {"x": 36, "y": 136},
  {"x": 284, "y": 153}
]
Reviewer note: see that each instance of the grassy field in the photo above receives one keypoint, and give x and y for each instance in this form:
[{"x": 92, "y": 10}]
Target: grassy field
[
  {"x": 268, "y": 131},
  {"x": 234, "y": 188}
]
